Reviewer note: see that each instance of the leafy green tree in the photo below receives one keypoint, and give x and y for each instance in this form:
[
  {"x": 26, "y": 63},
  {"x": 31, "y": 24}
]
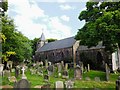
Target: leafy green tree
[
  {"x": 51, "y": 40},
  {"x": 3, "y": 6},
  {"x": 15, "y": 41},
  {"x": 102, "y": 24}
]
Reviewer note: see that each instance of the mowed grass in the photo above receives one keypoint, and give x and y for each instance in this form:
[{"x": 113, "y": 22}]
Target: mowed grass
[{"x": 39, "y": 80}]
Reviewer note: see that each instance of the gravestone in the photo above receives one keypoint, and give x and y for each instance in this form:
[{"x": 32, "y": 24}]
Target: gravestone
[
  {"x": 23, "y": 73},
  {"x": 87, "y": 78},
  {"x": 88, "y": 67},
  {"x": 69, "y": 84},
  {"x": 50, "y": 70},
  {"x": 62, "y": 64},
  {"x": 66, "y": 66},
  {"x": 78, "y": 73},
  {"x": 46, "y": 64},
  {"x": 81, "y": 65},
  {"x": 97, "y": 79},
  {"x": 33, "y": 71},
  {"x": 59, "y": 85},
  {"x": 6, "y": 73},
  {"x": 59, "y": 67},
  {"x": 12, "y": 79},
  {"x": 17, "y": 71},
  {"x": 39, "y": 71},
  {"x": 46, "y": 78},
  {"x": 107, "y": 72},
  {"x": 23, "y": 84},
  {"x": 9, "y": 65},
  {"x": 1, "y": 69},
  {"x": 65, "y": 74}
]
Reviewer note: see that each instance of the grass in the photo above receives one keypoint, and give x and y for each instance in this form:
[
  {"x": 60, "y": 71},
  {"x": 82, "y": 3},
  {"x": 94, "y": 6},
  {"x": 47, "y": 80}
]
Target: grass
[{"x": 38, "y": 80}]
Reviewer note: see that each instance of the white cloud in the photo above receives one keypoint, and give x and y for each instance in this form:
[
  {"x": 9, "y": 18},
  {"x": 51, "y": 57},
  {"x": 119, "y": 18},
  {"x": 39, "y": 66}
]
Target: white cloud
[
  {"x": 61, "y": 1},
  {"x": 26, "y": 12},
  {"x": 65, "y": 18},
  {"x": 66, "y": 7}
]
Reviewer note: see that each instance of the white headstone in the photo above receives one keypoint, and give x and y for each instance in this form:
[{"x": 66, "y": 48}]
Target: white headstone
[
  {"x": 23, "y": 73},
  {"x": 59, "y": 84},
  {"x": 1, "y": 68}
]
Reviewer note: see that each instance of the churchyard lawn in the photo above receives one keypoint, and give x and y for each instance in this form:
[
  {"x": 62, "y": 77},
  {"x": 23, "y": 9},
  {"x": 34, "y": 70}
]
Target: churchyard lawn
[{"x": 88, "y": 79}]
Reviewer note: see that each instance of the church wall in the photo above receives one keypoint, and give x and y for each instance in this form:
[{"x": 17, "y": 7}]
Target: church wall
[{"x": 65, "y": 54}]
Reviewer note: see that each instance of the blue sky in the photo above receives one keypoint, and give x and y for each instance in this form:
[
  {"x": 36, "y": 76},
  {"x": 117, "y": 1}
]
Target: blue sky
[{"x": 55, "y": 18}]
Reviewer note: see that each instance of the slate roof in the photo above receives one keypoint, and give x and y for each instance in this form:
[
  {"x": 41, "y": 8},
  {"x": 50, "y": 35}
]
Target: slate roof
[
  {"x": 59, "y": 44},
  {"x": 82, "y": 47}
]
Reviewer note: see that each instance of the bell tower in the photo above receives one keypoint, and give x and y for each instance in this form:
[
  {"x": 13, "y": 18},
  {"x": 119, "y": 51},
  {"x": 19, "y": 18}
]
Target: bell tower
[{"x": 41, "y": 41}]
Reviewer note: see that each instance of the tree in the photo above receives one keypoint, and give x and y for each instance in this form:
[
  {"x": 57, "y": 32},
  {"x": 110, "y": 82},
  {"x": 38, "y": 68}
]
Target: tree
[
  {"x": 15, "y": 41},
  {"x": 3, "y": 6},
  {"x": 102, "y": 24},
  {"x": 51, "y": 40}
]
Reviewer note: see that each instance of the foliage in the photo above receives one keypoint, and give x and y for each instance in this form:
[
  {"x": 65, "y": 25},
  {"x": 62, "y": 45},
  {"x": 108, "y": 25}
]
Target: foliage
[
  {"x": 34, "y": 45},
  {"x": 15, "y": 41},
  {"x": 102, "y": 24},
  {"x": 2, "y": 37},
  {"x": 51, "y": 40},
  {"x": 4, "y": 6}
]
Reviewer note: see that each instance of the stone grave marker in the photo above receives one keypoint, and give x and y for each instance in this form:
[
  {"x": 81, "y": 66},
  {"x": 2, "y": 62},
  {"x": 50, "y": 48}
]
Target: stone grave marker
[
  {"x": 46, "y": 64},
  {"x": 87, "y": 78},
  {"x": 66, "y": 66},
  {"x": 6, "y": 73},
  {"x": 59, "y": 67},
  {"x": 46, "y": 78},
  {"x": 78, "y": 73},
  {"x": 23, "y": 73},
  {"x": 97, "y": 79},
  {"x": 69, "y": 84},
  {"x": 59, "y": 85},
  {"x": 33, "y": 71},
  {"x": 22, "y": 84},
  {"x": 81, "y": 65},
  {"x": 50, "y": 69},
  {"x": 1, "y": 69},
  {"x": 62, "y": 64},
  {"x": 12, "y": 79},
  {"x": 65, "y": 74},
  {"x": 9, "y": 65},
  {"x": 39, "y": 71},
  {"x": 88, "y": 67},
  {"x": 17, "y": 71},
  {"x": 107, "y": 72}
]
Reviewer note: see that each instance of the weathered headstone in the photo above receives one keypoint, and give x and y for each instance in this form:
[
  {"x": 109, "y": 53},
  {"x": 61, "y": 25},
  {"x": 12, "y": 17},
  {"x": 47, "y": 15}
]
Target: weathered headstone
[
  {"x": 17, "y": 71},
  {"x": 107, "y": 72},
  {"x": 118, "y": 83},
  {"x": 46, "y": 64},
  {"x": 59, "y": 67},
  {"x": 6, "y": 73},
  {"x": 46, "y": 78},
  {"x": 78, "y": 73},
  {"x": 88, "y": 67},
  {"x": 23, "y": 73},
  {"x": 66, "y": 66},
  {"x": 65, "y": 74},
  {"x": 97, "y": 79},
  {"x": 50, "y": 69},
  {"x": 87, "y": 78},
  {"x": 12, "y": 79},
  {"x": 62, "y": 64},
  {"x": 22, "y": 84},
  {"x": 81, "y": 65},
  {"x": 69, "y": 84},
  {"x": 39, "y": 71},
  {"x": 59, "y": 85},
  {"x": 9, "y": 65},
  {"x": 1, "y": 69}
]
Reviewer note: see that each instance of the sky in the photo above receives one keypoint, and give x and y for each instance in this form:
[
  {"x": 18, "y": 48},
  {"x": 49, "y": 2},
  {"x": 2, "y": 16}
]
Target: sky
[{"x": 57, "y": 19}]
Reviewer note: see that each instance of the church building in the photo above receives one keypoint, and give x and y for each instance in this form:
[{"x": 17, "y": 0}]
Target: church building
[{"x": 69, "y": 51}]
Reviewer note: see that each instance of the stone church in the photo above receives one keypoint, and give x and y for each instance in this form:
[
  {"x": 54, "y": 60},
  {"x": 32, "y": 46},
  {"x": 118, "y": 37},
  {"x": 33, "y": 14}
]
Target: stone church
[{"x": 69, "y": 51}]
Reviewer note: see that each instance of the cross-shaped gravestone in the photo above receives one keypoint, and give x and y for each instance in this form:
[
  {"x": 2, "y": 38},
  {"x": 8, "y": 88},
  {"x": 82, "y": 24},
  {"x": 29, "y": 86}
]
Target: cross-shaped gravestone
[{"x": 23, "y": 73}]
